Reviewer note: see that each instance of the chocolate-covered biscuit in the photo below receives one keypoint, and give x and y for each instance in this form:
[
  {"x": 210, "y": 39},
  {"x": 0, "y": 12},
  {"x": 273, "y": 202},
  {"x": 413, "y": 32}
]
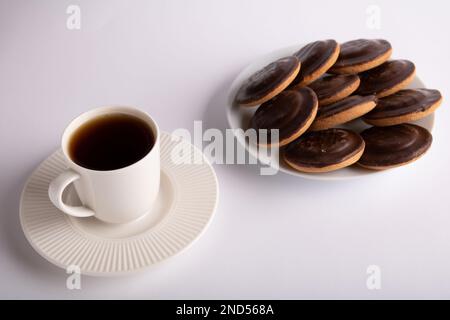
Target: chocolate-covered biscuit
[
  {"x": 323, "y": 151},
  {"x": 291, "y": 112},
  {"x": 316, "y": 58},
  {"x": 361, "y": 55},
  {"x": 342, "y": 111},
  {"x": 332, "y": 88},
  {"x": 404, "y": 106},
  {"x": 266, "y": 83},
  {"x": 390, "y": 77},
  {"x": 393, "y": 146}
]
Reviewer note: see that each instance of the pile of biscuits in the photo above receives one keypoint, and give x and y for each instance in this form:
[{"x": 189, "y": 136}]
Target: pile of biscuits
[{"x": 308, "y": 95}]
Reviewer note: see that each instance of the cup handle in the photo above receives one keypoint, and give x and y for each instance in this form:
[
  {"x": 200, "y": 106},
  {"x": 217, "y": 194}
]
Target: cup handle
[{"x": 55, "y": 192}]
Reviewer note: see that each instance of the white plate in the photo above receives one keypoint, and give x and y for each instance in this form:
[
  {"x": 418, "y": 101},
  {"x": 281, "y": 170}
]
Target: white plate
[
  {"x": 183, "y": 210},
  {"x": 239, "y": 118}
]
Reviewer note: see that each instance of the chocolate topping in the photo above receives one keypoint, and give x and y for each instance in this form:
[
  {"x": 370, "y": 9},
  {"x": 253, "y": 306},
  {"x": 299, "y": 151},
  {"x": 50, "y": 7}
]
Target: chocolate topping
[
  {"x": 345, "y": 104},
  {"x": 314, "y": 56},
  {"x": 394, "y": 145},
  {"x": 404, "y": 102},
  {"x": 288, "y": 112},
  {"x": 264, "y": 81},
  {"x": 332, "y": 85},
  {"x": 385, "y": 77},
  {"x": 361, "y": 51},
  {"x": 324, "y": 148}
]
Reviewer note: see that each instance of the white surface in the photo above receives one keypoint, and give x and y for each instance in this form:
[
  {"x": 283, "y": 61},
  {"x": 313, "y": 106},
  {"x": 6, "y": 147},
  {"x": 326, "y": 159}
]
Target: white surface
[
  {"x": 239, "y": 118},
  {"x": 182, "y": 211},
  {"x": 272, "y": 236}
]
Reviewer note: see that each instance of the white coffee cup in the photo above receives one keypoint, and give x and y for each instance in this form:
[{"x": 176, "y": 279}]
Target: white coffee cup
[{"x": 115, "y": 196}]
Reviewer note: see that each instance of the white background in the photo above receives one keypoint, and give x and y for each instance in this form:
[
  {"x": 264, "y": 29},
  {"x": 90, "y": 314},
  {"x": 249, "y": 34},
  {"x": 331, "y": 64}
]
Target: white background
[{"x": 272, "y": 237}]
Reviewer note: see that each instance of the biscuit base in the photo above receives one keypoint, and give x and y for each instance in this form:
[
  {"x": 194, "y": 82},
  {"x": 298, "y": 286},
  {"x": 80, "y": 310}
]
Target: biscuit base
[
  {"x": 343, "y": 117},
  {"x": 348, "y": 162},
  {"x": 275, "y": 91},
  {"x": 384, "y": 122},
  {"x": 341, "y": 94},
  {"x": 363, "y": 66},
  {"x": 319, "y": 72},
  {"x": 296, "y": 134},
  {"x": 397, "y": 87}
]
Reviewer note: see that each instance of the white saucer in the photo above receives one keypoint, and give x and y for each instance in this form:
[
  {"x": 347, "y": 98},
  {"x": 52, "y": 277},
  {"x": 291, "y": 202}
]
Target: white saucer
[
  {"x": 184, "y": 208},
  {"x": 239, "y": 118}
]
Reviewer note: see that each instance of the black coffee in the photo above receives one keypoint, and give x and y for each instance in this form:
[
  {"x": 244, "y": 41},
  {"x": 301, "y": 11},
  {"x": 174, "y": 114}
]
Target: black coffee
[{"x": 111, "y": 142}]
